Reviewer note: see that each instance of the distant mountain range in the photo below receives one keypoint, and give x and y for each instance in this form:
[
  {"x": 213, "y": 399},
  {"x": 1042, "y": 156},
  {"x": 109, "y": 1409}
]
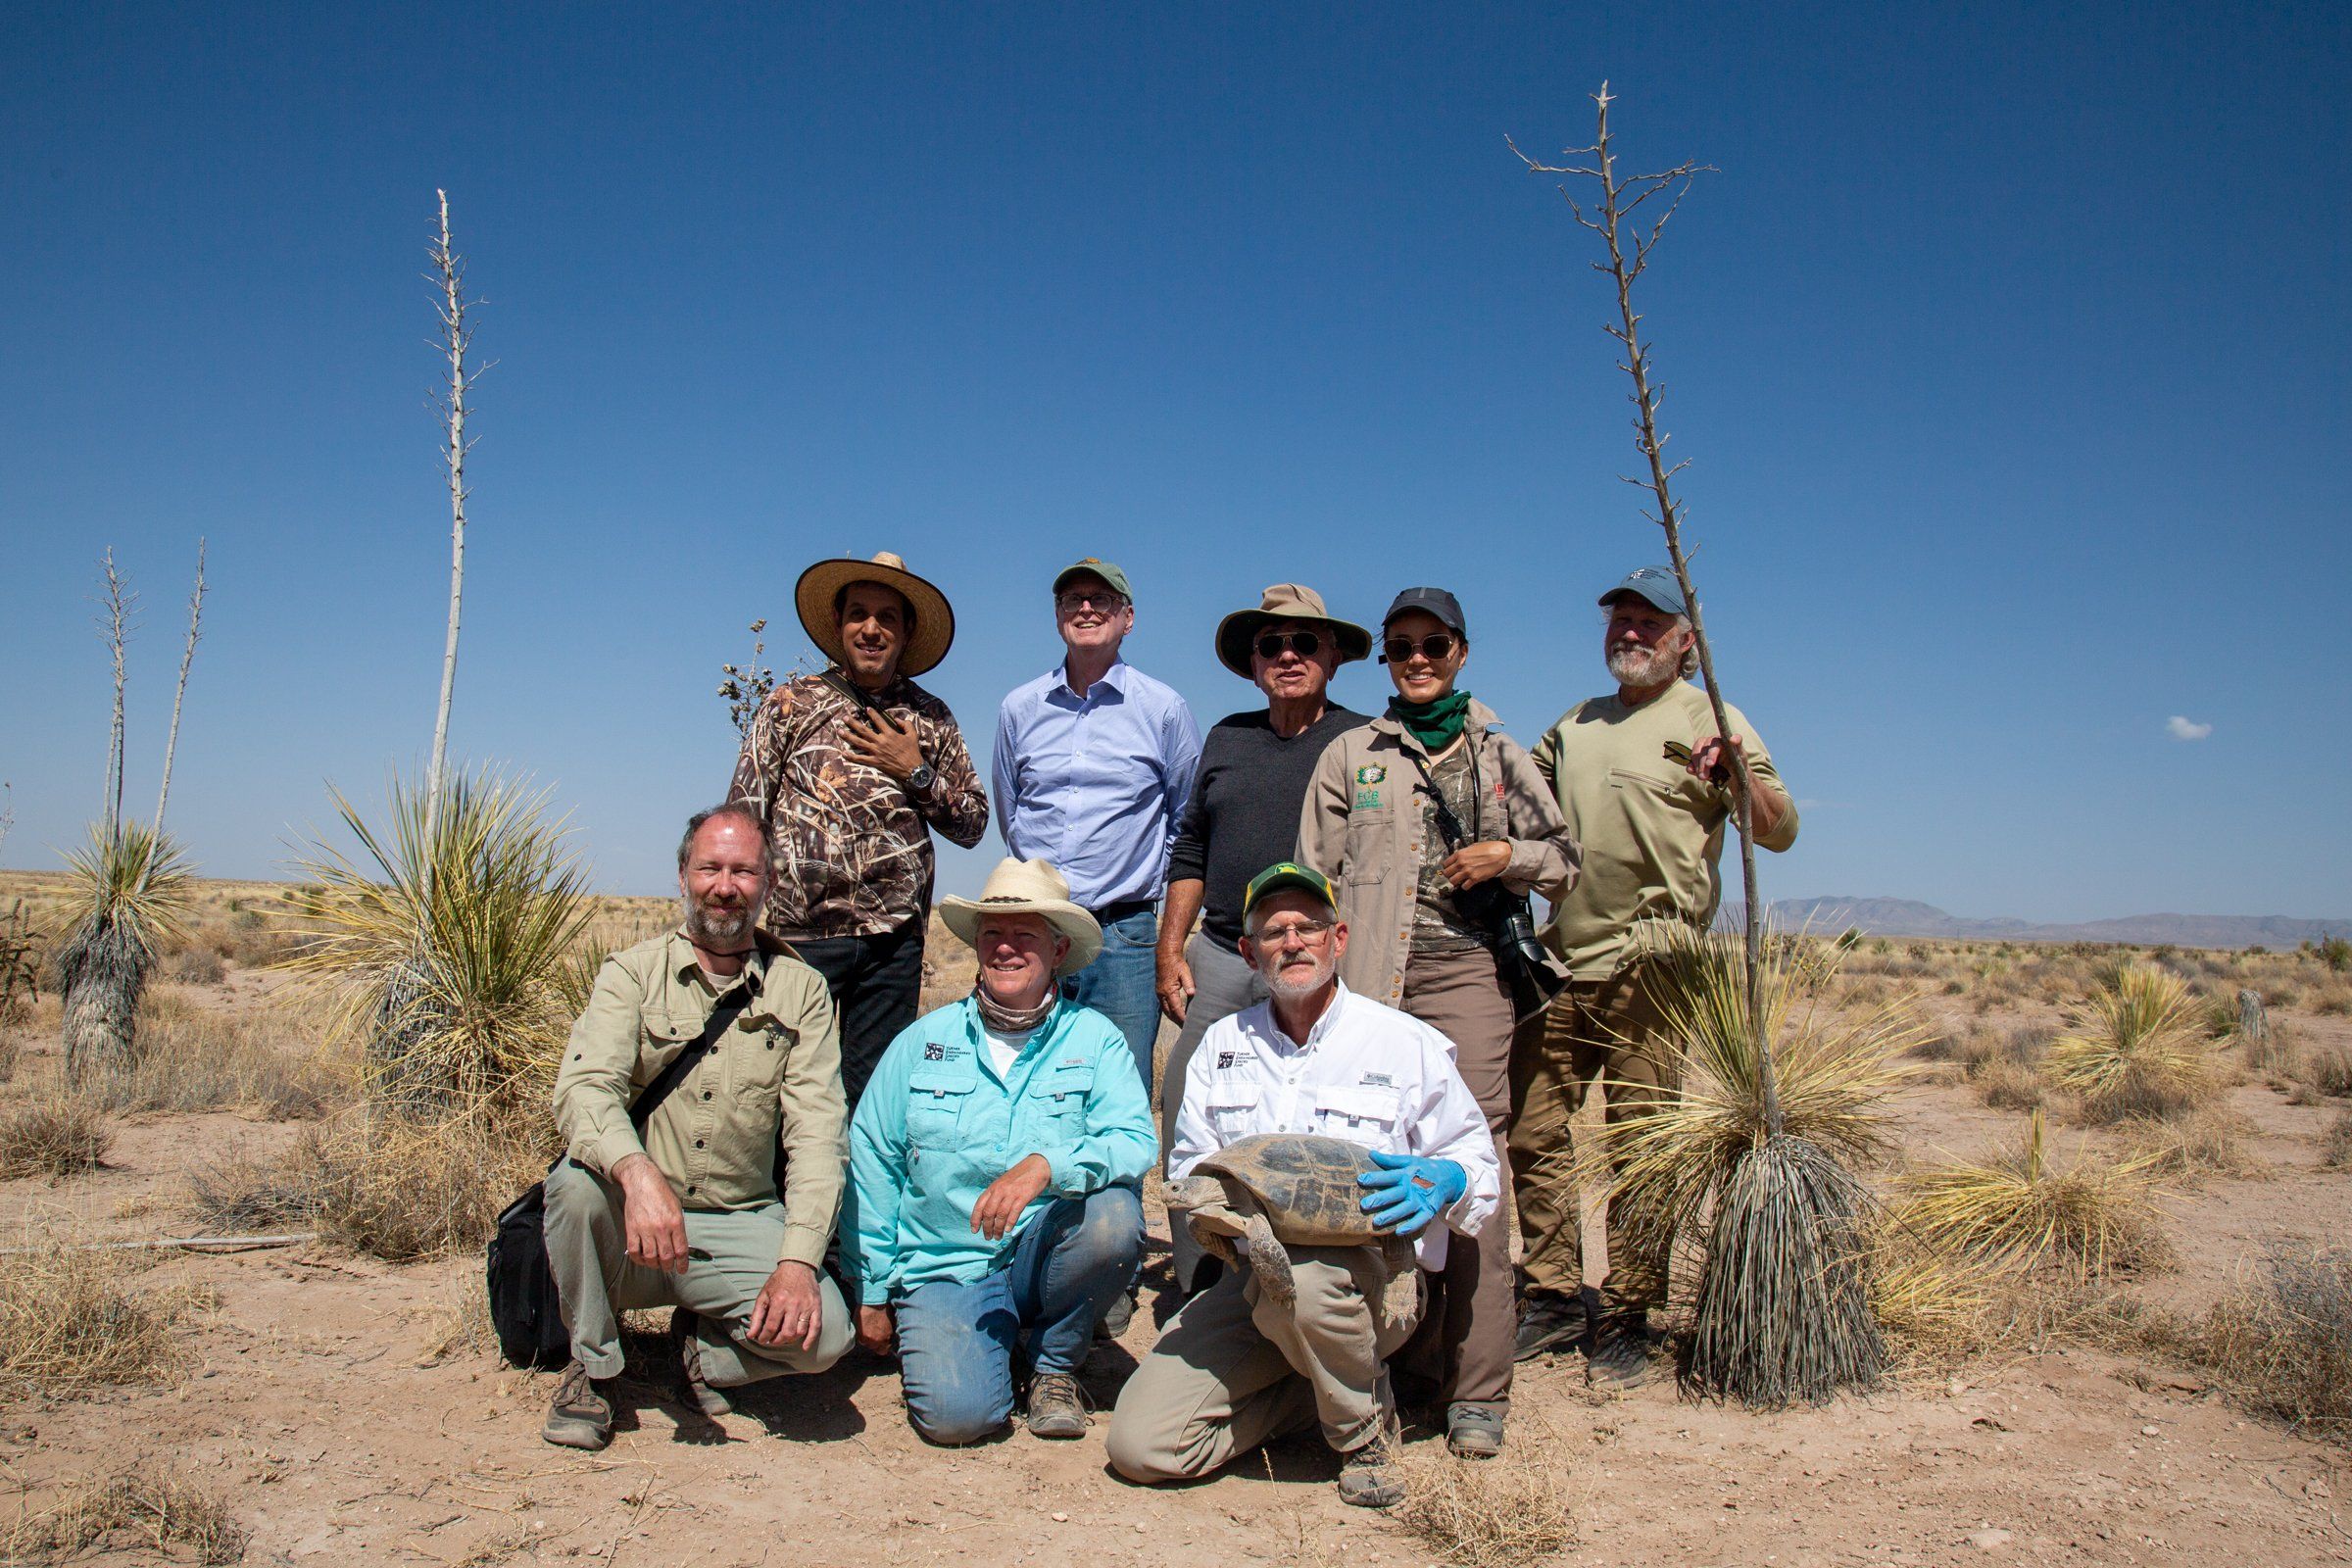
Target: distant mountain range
[{"x": 1906, "y": 917}]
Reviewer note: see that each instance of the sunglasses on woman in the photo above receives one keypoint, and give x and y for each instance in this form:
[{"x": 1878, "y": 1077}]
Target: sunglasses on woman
[
  {"x": 1273, "y": 644},
  {"x": 1396, "y": 650}
]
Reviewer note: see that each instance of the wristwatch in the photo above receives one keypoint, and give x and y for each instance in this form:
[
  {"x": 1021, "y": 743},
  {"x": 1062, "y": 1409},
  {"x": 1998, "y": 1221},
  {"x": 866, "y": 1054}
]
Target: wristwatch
[{"x": 923, "y": 778}]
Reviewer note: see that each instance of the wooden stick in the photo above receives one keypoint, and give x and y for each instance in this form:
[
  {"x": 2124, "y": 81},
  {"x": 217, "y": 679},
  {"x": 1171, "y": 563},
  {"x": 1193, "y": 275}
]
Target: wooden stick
[{"x": 289, "y": 1239}]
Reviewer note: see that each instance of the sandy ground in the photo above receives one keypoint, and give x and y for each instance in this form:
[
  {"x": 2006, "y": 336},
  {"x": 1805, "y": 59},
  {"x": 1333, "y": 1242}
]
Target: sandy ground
[{"x": 310, "y": 1404}]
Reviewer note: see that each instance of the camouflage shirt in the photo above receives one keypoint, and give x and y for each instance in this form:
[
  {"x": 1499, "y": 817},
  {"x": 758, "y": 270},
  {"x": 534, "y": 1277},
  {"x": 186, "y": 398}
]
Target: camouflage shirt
[{"x": 853, "y": 844}]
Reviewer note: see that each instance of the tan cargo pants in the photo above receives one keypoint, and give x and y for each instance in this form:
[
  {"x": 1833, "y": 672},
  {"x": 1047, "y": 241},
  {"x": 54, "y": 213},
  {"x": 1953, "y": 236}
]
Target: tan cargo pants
[
  {"x": 730, "y": 1253},
  {"x": 1594, "y": 1029},
  {"x": 1233, "y": 1370}
]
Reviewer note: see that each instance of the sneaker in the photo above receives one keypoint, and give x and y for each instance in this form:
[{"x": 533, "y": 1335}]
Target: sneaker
[
  {"x": 1473, "y": 1431},
  {"x": 1549, "y": 1321},
  {"x": 1371, "y": 1477},
  {"x": 698, "y": 1394},
  {"x": 1115, "y": 1317},
  {"x": 1620, "y": 1354},
  {"x": 579, "y": 1416},
  {"x": 1056, "y": 1410}
]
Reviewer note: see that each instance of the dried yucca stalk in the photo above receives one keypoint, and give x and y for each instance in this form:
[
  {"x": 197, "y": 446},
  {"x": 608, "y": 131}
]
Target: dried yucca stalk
[{"x": 2135, "y": 1049}]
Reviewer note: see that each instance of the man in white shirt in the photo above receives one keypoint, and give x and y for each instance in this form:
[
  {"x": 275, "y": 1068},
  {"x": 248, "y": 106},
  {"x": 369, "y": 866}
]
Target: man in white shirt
[{"x": 1234, "y": 1369}]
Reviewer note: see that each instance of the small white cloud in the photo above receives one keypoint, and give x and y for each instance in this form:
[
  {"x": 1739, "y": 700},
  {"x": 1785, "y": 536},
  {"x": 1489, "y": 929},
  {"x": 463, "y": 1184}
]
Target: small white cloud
[{"x": 2181, "y": 729}]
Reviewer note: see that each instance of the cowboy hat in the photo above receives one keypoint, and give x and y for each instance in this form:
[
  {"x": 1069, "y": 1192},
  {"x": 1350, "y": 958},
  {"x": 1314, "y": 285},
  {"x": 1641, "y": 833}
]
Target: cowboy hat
[
  {"x": 1285, "y": 601},
  {"x": 934, "y": 621},
  {"x": 1027, "y": 887}
]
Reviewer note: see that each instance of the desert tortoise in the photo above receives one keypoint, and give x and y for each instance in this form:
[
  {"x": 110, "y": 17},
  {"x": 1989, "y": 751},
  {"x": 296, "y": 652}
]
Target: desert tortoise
[{"x": 1257, "y": 1194}]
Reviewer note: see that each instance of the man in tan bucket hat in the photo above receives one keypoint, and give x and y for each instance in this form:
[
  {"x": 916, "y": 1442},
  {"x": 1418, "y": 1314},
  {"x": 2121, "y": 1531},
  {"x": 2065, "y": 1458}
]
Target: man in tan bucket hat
[
  {"x": 852, "y": 768},
  {"x": 1243, "y": 816},
  {"x": 996, "y": 1170}
]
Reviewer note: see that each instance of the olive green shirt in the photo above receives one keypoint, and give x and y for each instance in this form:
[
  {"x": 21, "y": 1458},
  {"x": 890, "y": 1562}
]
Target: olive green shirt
[
  {"x": 1652, "y": 835},
  {"x": 777, "y": 1068}
]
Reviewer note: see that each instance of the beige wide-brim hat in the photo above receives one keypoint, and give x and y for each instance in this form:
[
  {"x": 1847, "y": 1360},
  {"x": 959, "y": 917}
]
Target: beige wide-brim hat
[
  {"x": 934, "y": 620},
  {"x": 1027, "y": 887},
  {"x": 1285, "y": 601}
]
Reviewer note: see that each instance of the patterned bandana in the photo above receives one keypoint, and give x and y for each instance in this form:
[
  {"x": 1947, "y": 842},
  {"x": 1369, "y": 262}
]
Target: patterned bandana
[{"x": 1013, "y": 1020}]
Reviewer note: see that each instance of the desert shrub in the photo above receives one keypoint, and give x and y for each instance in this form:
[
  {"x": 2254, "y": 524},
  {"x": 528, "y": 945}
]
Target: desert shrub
[
  {"x": 400, "y": 1190},
  {"x": 1502, "y": 1512},
  {"x": 55, "y": 1135},
  {"x": 2203, "y": 1142},
  {"x": 2007, "y": 1085},
  {"x": 2335, "y": 1150},
  {"x": 2135, "y": 1050},
  {"x": 2329, "y": 1072},
  {"x": 20, "y": 946},
  {"x": 1941, "y": 1044},
  {"x": 2334, "y": 951},
  {"x": 2333, "y": 999},
  {"x": 2283, "y": 1342},
  {"x": 136, "y": 1507},
  {"x": 200, "y": 1058},
  {"x": 129, "y": 904},
  {"x": 9, "y": 1052},
  {"x": 68, "y": 1319},
  {"x": 239, "y": 1195},
  {"x": 2018, "y": 1211},
  {"x": 195, "y": 966}
]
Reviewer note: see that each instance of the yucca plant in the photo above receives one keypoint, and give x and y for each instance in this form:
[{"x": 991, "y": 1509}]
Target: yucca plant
[
  {"x": 448, "y": 950},
  {"x": 2019, "y": 1211},
  {"x": 2135, "y": 1048},
  {"x": 130, "y": 900},
  {"x": 1782, "y": 1311}
]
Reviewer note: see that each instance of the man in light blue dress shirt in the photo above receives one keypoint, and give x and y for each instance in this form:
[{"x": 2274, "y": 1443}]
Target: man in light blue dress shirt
[{"x": 1095, "y": 763}]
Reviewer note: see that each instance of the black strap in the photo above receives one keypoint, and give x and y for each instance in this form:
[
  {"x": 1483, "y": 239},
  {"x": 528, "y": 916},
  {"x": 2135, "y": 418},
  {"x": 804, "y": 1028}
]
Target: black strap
[
  {"x": 1449, "y": 826},
  {"x": 668, "y": 1078}
]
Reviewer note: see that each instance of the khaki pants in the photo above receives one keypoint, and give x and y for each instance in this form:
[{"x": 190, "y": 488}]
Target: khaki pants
[
  {"x": 1233, "y": 1370},
  {"x": 730, "y": 1253},
  {"x": 1466, "y": 1335},
  {"x": 1593, "y": 1028}
]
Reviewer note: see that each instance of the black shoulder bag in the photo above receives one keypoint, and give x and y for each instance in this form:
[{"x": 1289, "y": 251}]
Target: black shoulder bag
[
  {"x": 1507, "y": 919},
  {"x": 524, "y": 1306}
]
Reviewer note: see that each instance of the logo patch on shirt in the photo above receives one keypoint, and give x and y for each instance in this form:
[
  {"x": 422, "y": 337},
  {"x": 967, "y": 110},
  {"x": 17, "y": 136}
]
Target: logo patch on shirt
[
  {"x": 1377, "y": 1080},
  {"x": 935, "y": 1053},
  {"x": 1226, "y": 1058},
  {"x": 1371, "y": 773}
]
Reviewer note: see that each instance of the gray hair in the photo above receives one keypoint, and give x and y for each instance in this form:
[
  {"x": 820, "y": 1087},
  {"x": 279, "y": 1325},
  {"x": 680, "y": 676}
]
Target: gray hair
[{"x": 742, "y": 811}]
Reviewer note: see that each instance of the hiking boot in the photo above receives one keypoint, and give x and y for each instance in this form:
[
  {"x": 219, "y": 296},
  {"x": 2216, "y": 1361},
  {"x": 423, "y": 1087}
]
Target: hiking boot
[
  {"x": 1056, "y": 1410},
  {"x": 1115, "y": 1317},
  {"x": 579, "y": 1416},
  {"x": 1620, "y": 1354},
  {"x": 683, "y": 1327},
  {"x": 1549, "y": 1321},
  {"x": 1473, "y": 1431},
  {"x": 1372, "y": 1477}
]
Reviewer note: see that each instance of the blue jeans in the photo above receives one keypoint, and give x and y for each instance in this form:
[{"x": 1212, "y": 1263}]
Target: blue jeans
[
  {"x": 1121, "y": 985},
  {"x": 957, "y": 1343}
]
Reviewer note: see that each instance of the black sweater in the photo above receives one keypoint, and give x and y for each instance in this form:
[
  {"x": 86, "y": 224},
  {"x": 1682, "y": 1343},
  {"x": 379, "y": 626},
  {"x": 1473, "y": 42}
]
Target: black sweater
[{"x": 1243, "y": 813}]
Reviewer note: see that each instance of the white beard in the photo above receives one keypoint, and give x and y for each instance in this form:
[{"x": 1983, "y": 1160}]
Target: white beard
[{"x": 1644, "y": 666}]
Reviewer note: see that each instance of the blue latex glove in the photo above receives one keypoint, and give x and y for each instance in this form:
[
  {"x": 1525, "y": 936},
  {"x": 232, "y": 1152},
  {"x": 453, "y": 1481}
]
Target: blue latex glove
[{"x": 1407, "y": 1192}]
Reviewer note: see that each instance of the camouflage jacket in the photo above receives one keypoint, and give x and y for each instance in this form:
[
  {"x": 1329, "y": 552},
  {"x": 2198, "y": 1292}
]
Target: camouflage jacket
[{"x": 853, "y": 844}]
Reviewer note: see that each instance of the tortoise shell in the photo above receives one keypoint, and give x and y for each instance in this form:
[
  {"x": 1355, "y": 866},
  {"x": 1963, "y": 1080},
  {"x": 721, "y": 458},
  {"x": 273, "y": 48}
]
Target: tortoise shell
[{"x": 1305, "y": 1186}]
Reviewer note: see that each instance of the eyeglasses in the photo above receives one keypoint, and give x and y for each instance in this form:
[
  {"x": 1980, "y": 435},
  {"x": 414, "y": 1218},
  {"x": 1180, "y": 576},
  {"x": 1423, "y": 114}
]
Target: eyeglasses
[
  {"x": 1307, "y": 932},
  {"x": 1396, "y": 650},
  {"x": 1271, "y": 645},
  {"x": 1105, "y": 600}
]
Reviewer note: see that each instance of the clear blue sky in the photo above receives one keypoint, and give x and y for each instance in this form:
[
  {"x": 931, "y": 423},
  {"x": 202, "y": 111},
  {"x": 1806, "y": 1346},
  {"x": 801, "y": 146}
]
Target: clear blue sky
[{"x": 2009, "y": 348}]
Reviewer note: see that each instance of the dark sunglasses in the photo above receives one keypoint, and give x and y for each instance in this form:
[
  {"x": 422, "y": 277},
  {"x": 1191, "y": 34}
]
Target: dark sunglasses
[
  {"x": 1396, "y": 650},
  {"x": 1272, "y": 645}
]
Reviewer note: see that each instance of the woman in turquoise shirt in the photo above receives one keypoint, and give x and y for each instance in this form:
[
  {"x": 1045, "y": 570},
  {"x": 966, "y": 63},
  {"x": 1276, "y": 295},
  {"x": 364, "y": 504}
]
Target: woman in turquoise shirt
[{"x": 996, "y": 1166}]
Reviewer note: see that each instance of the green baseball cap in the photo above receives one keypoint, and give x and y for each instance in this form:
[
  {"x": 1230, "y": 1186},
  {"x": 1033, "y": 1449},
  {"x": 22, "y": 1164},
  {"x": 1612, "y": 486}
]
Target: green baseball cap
[
  {"x": 1284, "y": 875},
  {"x": 1108, "y": 570}
]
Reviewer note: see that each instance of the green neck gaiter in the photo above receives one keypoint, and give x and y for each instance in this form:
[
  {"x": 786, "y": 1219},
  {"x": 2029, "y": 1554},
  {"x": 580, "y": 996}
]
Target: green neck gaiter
[{"x": 1436, "y": 725}]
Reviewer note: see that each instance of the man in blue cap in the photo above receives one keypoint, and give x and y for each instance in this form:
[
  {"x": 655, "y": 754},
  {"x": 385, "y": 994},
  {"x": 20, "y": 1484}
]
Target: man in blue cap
[{"x": 1646, "y": 784}]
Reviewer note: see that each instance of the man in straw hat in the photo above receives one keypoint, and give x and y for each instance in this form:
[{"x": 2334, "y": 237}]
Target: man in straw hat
[
  {"x": 1243, "y": 816},
  {"x": 1642, "y": 778},
  {"x": 996, "y": 1164},
  {"x": 702, "y": 1052},
  {"x": 852, "y": 768},
  {"x": 1236, "y": 1368}
]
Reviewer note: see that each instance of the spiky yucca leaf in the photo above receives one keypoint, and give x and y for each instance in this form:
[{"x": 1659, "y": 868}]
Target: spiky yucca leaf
[
  {"x": 451, "y": 953},
  {"x": 130, "y": 900},
  {"x": 2135, "y": 1048},
  {"x": 2019, "y": 1211},
  {"x": 1833, "y": 1075}
]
